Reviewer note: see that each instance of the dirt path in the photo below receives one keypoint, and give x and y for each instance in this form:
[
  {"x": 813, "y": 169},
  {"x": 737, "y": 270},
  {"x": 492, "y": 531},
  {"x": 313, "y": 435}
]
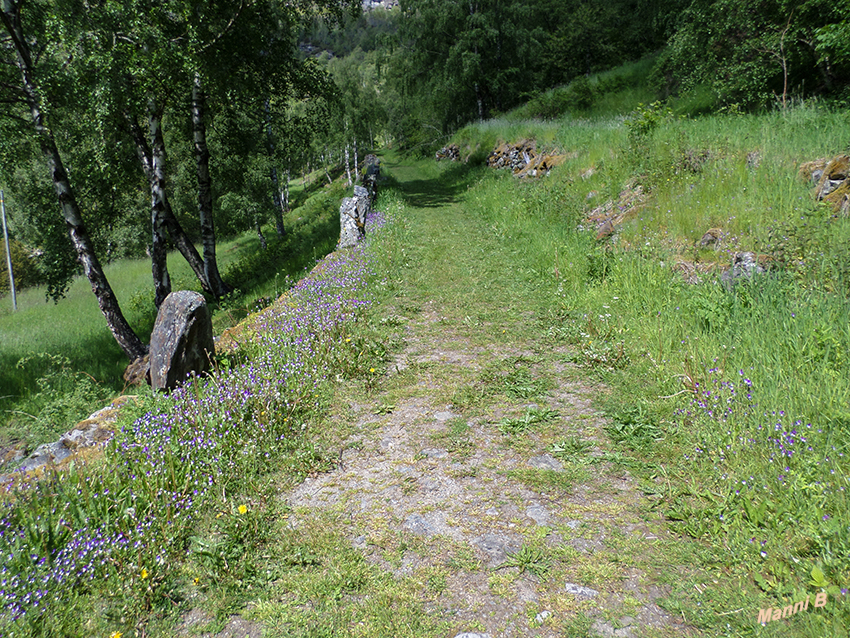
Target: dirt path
[{"x": 479, "y": 466}]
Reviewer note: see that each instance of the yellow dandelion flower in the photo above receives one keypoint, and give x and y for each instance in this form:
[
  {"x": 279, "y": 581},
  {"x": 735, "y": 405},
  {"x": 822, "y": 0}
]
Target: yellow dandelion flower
[
  {"x": 243, "y": 509},
  {"x": 371, "y": 369},
  {"x": 144, "y": 573},
  {"x": 115, "y": 634}
]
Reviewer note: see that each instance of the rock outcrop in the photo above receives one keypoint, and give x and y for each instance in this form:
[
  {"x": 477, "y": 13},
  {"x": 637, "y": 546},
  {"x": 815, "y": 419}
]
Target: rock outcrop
[
  {"x": 94, "y": 431},
  {"x": 831, "y": 181},
  {"x": 745, "y": 265},
  {"x": 182, "y": 340},
  {"x": 139, "y": 371},
  {"x": 608, "y": 216},
  {"x": 524, "y": 160},
  {"x": 450, "y": 152},
  {"x": 712, "y": 237},
  {"x": 352, "y": 218}
]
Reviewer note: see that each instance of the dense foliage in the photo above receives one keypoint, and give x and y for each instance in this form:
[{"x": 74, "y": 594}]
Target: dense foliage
[{"x": 752, "y": 54}]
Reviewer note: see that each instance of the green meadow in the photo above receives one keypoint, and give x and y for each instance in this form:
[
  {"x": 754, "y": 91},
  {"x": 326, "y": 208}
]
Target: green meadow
[{"x": 59, "y": 362}]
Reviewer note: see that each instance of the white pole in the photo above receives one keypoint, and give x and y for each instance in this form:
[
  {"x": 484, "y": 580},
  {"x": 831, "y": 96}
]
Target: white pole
[{"x": 8, "y": 253}]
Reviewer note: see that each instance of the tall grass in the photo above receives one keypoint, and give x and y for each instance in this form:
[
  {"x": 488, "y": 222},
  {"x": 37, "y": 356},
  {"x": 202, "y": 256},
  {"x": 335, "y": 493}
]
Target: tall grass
[{"x": 749, "y": 386}]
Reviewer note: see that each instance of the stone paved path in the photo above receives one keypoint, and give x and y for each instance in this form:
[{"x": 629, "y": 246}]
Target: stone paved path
[
  {"x": 477, "y": 467},
  {"x": 423, "y": 484}
]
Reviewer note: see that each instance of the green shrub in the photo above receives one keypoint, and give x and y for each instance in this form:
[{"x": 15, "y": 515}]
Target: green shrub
[{"x": 24, "y": 267}]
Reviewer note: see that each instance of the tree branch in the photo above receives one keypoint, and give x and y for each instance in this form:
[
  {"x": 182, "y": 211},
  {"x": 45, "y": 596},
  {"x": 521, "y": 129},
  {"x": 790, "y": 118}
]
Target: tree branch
[{"x": 227, "y": 27}]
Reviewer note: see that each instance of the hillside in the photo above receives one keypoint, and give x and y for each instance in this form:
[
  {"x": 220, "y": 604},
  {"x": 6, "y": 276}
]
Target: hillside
[
  {"x": 588, "y": 375},
  {"x": 508, "y": 422}
]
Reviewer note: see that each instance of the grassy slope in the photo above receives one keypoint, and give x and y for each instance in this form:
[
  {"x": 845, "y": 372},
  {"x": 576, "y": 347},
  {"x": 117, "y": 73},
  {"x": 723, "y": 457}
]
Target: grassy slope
[
  {"x": 747, "y": 392},
  {"x": 769, "y": 528},
  {"x": 495, "y": 253},
  {"x": 67, "y": 344}
]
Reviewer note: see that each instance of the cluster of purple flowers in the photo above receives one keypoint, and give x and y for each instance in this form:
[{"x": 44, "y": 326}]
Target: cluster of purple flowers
[
  {"x": 209, "y": 433},
  {"x": 783, "y": 452}
]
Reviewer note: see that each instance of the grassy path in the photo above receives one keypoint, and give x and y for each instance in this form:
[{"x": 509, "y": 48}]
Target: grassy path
[{"x": 476, "y": 490}]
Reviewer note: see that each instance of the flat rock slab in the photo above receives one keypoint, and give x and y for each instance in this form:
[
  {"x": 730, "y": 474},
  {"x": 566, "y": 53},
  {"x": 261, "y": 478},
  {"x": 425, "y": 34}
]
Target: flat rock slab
[
  {"x": 546, "y": 462},
  {"x": 539, "y": 513},
  {"x": 434, "y": 453},
  {"x": 418, "y": 524},
  {"x": 581, "y": 592},
  {"x": 496, "y": 547}
]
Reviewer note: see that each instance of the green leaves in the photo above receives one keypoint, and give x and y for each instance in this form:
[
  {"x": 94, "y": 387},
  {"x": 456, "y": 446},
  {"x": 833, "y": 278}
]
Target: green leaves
[
  {"x": 527, "y": 421},
  {"x": 818, "y": 578},
  {"x": 755, "y": 53}
]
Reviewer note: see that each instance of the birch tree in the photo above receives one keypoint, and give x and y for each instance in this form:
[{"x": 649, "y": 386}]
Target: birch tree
[{"x": 28, "y": 54}]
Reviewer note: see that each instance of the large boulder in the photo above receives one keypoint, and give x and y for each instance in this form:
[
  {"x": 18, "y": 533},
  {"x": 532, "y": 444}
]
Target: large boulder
[
  {"x": 369, "y": 178},
  {"x": 352, "y": 218},
  {"x": 831, "y": 180},
  {"x": 182, "y": 340}
]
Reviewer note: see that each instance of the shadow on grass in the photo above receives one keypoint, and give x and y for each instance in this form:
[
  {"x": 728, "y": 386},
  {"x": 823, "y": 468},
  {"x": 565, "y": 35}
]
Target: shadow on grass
[
  {"x": 440, "y": 190},
  {"x": 257, "y": 274},
  {"x": 98, "y": 357}
]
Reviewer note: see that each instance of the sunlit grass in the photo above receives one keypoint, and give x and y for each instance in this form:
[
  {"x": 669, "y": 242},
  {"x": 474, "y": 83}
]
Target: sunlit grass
[
  {"x": 75, "y": 330},
  {"x": 747, "y": 390}
]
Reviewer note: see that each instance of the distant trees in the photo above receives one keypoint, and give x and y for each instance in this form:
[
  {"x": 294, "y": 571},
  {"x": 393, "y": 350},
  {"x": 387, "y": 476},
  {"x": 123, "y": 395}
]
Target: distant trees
[{"x": 458, "y": 61}]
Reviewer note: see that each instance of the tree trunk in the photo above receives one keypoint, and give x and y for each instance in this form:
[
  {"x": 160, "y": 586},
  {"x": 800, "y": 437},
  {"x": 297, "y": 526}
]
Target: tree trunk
[
  {"x": 348, "y": 166},
  {"x": 159, "y": 248},
  {"x": 202, "y": 159},
  {"x": 263, "y": 244},
  {"x": 118, "y": 325},
  {"x": 278, "y": 204},
  {"x": 178, "y": 236},
  {"x": 356, "y": 163}
]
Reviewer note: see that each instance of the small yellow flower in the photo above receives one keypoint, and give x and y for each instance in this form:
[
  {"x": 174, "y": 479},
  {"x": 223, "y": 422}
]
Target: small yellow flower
[
  {"x": 115, "y": 634},
  {"x": 348, "y": 340},
  {"x": 196, "y": 581},
  {"x": 243, "y": 509},
  {"x": 371, "y": 369},
  {"x": 144, "y": 573}
]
